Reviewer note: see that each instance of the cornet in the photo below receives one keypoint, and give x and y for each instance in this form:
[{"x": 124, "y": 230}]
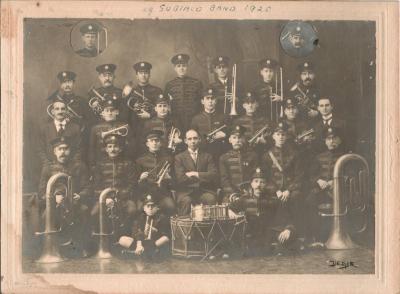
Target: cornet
[
  {"x": 95, "y": 101},
  {"x": 232, "y": 94},
  {"x": 139, "y": 107},
  {"x": 210, "y": 137},
  {"x": 173, "y": 133},
  {"x": 122, "y": 131},
  {"x": 300, "y": 137},
  {"x": 261, "y": 132}
]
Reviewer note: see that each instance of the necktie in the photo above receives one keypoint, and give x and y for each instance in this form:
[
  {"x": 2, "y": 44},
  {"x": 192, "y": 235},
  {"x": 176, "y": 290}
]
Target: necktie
[{"x": 194, "y": 156}]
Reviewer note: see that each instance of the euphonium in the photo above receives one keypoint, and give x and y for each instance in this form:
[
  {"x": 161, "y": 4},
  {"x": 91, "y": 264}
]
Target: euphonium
[
  {"x": 95, "y": 101},
  {"x": 339, "y": 238},
  {"x": 121, "y": 130},
  {"x": 104, "y": 241},
  {"x": 305, "y": 101},
  {"x": 139, "y": 106},
  {"x": 50, "y": 252}
]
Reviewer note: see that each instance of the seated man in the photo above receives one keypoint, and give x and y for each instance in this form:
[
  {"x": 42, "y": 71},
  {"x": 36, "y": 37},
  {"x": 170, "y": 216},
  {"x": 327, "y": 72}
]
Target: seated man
[
  {"x": 149, "y": 167},
  {"x": 321, "y": 183},
  {"x": 267, "y": 218},
  {"x": 63, "y": 163},
  {"x": 236, "y": 166},
  {"x": 196, "y": 175},
  {"x": 150, "y": 232},
  {"x": 115, "y": 172}
]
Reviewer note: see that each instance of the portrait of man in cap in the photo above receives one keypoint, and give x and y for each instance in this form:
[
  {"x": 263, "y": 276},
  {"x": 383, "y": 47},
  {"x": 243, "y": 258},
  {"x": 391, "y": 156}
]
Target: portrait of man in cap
[{"x": 90, "y": 40}]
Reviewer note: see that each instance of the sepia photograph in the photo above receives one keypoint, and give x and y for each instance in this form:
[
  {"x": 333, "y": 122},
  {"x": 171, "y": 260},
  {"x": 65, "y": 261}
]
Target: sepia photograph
[{"x": 161, "y": 146}]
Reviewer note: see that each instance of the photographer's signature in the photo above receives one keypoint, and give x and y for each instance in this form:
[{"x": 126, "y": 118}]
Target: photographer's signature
[{"x": 341, "y": 264}]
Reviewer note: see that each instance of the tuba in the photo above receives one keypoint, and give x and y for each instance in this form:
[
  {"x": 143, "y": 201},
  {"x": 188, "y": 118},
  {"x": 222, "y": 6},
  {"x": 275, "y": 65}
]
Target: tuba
[
  {"x": 144, "y": 105},
  {"x": 304, "y": 101},
  {"x": 51, "y": 253},
  {"x": 122, "y": 131},
  {"x": 353, "y": 187},
  {"x": 104, "y": 241},
  {"x": 95, "y": 101}
]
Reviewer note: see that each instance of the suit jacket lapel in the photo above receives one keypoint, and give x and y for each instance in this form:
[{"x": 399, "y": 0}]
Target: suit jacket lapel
[{"x": 191, "y": 161}]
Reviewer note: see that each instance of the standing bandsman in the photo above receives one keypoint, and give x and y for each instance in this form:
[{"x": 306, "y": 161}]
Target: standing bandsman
[
  {"x": 142, "y": 96},
  {"x": 254, "y": 123},
  {"x": 78, "y": 110},
  {"x": 236, "y": 166},
  {"x": 266, "y": 91},
  {"x": 321, "y": 182},
  {"x": 196, "y": 175},
  {"x": 63, "y": 163},
  {"x": 149, "y": 167},
  {"x": 211, "y": 125},
  {"x": 185, "y": 92},
  {"x": 109, "y": 121},
  {"x": 286, "y": 174},
  {"x": 164, "y": 122},
  {"x": 89, "y": 35},
  {"x": 106, "y": 76},
  {"x": 305, "y": 91},
  {"x": 59, "y": 126}
]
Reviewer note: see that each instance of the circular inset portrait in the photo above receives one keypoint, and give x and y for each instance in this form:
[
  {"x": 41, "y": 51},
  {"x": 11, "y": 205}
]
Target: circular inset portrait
[
  {"x": 88, "y": 38},
  {"x": 298, "y": 38}
]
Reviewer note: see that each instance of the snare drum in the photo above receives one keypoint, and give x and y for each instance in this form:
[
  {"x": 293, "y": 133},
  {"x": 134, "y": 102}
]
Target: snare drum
[{"x": 194, "y": 238}]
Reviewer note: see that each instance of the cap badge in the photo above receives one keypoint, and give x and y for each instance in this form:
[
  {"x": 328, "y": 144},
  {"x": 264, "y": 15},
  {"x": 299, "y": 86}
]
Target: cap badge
[
  {"x": 64, "y": 74},
  {"x": 161, "y": 96},
  {"x": 258, "y": 170},
  {"x": 298, "y": 29},
  {"x": 62, "y": 139},
  {"x": 330, "y": 130},
  {"x": 210, "y": 91},
  {"x": 289, "y": 101},
  {"x": 115, "y": 97},
  {"x": 248, "y": 94},
  {"x": 220, "y": 59},
  {"x": 305, "y": 64},
  {"x": 179, "y": 56},
  {"x": 142, "y": 64},
  {"x": 268, "y": 61},
  {"x": 106, "y": 67},
  {"x": 148, "y": 197},
  {"x": 90, "y": 27},
  {"x": 280, "y": 125},
  {"x": 109, "y": 102}
]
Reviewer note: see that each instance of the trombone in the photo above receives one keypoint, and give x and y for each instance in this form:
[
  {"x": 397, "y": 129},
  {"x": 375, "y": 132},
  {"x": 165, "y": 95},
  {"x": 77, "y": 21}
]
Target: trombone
[
  {"x": 232, "y": 94},
  {"x": 122, "y": 131},
  {"x": 210, "y": 137},
  {"x": 158, "y": 177},
  {"x": 261, "y": 132},
  {"x": 139, "y": 107},
  {"x": 70, "y": 113},
  {"x": 94, "y": 101},
  {"x": 274, "y": 107}
]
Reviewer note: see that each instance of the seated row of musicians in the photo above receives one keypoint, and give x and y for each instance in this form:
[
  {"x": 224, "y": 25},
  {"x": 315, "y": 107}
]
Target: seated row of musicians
[
  {"x": 196, "y": 175},
  {"x": 211, "y": 125}
]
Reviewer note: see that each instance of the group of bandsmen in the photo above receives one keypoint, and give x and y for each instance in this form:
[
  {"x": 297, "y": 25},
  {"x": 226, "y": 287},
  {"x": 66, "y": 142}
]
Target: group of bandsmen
[{"x": 167, "y": 150}]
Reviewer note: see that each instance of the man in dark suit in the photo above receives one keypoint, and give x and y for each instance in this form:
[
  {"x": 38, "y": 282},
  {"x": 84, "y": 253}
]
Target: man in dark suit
[
  {"x": 196, "y": 175},
  {"x": 57, "y": 127}
]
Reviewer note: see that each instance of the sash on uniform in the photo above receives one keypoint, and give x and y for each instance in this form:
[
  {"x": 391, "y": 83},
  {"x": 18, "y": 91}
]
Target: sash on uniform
[{"x": 275, "y": 161}]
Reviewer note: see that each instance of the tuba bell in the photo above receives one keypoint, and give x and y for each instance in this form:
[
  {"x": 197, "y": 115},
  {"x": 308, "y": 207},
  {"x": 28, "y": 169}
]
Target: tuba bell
[
  {"x": 339, "y": 237},
  {"x": 104, "y": 237},
  {"x": 50, "y": 252}
]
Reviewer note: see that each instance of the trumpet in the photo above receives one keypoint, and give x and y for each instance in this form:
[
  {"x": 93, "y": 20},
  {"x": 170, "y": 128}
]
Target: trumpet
[
  {"x": 139, "y": 107},
  {"x": 50, "y": 251},
  {"x": 174, "y": 132},
  {"x": 70, "y": 113},
  {"x": 210, "y": 137},
  {"x": 231, "y": 94},
  {"x": 95, "y": 101},
  {"x": 261, "y": 132},
  {"x": 148, "y": 228},
  {"x": 122, "y": 131},
  {"x": 300, "y": 137}
]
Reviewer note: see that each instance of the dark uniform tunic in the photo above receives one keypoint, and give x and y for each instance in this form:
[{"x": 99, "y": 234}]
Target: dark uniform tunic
[
  {"x": 186, "y": 94},
  {"x": 236, "y": 167},
  {"x": 123, "y": 109},
  {"x": 48, "y": 133},
  {"x": 205, "y": 123},
  {"x": 84, "y": 52},
  {"x": 267, "y": 109},
  {"x": 96, "y": 145},
  {"x": 334, "y": 122}
]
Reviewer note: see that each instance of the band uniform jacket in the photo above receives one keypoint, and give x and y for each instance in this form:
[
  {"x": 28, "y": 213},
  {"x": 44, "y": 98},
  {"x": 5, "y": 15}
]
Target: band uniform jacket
[
  {"x": 291, "y": 176},
  {"x": 96, "y": 145},
  {"x": 205, "y": 123},
  {"x": 116, "y": 173},
  {"x": 185, "y": 94},
  {"x": 208, "y": 175},
  {"x": 77, "y": 104},
  {"x": 153, "y": 162},
  {"x": 123, "y": 108},
  {"x": 307, "y": 102},
  {"x": 266, "y": 108},
  {"x": 159, "y": 227},
  {"x": 322, "y": 168},
  {"x": 48, "y": 132},
  {"x": 77, "y": 170},
  {"x": 220, "y": 89},
  {"x": 236, "y": 167},
  {"x": 84, "y": 52},
  {"x": 296, "y": 127},
  {"x": 140, "y": 94}
]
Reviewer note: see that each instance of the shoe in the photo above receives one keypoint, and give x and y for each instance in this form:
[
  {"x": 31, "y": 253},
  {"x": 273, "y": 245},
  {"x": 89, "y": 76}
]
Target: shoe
[
  {"x": 212, "y": 257},
  {"x": 316, "y": 245},
  {"x": 225, "y": 256}
]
